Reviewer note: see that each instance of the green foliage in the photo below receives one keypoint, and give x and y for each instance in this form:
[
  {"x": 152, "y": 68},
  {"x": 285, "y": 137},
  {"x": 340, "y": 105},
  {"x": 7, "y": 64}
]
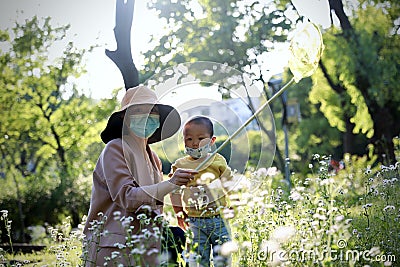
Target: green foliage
[
  {"x": 359, "y": 80},
  {"x": 338, "y": 59},
  {"x": 363, "y": 66},
  {"x": 233, "y": 29},
  {"x": 49, "y": 132}
]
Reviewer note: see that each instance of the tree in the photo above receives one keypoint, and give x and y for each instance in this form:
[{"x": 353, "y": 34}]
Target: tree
[
  {"x": 357, "y": 85},
  {"x": 49, "y": 137},
  {"x": 354, "y": 88},
  {"x": 238, "y": 32}
]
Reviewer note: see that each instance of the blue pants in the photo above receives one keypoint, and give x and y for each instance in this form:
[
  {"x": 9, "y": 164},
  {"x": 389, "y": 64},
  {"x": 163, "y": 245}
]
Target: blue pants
[{"x": 207, "y": 233}]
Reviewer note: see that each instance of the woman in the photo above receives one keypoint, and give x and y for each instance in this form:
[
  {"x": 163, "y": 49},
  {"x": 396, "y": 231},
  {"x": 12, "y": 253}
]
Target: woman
[{"x": 128, "y": 180}]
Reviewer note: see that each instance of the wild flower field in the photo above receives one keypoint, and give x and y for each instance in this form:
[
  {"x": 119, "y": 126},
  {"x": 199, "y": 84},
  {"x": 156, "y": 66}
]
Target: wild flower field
[{"x": 345, "y": 218}]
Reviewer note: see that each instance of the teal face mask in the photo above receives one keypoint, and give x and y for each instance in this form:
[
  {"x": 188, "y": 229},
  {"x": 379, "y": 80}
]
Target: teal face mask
[{"x": 144, "y": 125}]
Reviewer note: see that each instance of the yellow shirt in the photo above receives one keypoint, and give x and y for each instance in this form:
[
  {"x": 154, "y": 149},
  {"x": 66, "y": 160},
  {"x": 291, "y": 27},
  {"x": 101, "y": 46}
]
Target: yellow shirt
[{"x": 205, "y": 194}]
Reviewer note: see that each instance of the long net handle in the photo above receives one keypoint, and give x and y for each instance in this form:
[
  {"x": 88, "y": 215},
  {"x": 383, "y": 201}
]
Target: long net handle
[{"x": 207, "y": 159}]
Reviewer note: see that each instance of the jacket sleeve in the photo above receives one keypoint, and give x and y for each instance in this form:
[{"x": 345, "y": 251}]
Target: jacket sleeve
[
  {"x": 158, "y": 161},
  {"x": 120, "y": 182}
]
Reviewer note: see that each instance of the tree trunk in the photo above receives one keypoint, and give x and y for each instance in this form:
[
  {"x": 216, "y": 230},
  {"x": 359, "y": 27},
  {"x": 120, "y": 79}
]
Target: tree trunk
[
  {"x": 384, "y": 127},
  {"x": 122, "y": 56},
  {"x": 20, "y": 212},
  {"x": 348, "y": 135}
]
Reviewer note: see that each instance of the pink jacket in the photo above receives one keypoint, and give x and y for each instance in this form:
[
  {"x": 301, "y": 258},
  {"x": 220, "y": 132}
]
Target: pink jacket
[{"x": 114, "y": 189}]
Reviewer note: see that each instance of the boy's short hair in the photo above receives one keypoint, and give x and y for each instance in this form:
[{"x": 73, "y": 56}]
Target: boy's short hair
[{"x": 203, "y": 121}]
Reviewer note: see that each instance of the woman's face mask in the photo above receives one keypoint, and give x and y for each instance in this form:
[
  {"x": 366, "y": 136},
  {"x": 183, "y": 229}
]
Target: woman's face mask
[
  {"x": 144, "y": 125},
  {"x": 200, "y": 152}
]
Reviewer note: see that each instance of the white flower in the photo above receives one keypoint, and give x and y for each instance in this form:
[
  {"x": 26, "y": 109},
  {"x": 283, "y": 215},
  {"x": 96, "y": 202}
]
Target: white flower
[
  {"x": 117, "y": 213},
  {"x": 146, "y": 208},
  {"x": 321, "y": 217},
  {"x": 246, "y": 245},
  {"x": 272, "y": 171},
  {"x": 339, "y": 218},
  {"x": 388, "y": 208},
  {"x": 119, "y": 245},
  {"x": 348, "y": 221},
  {"x": 374, "y": 251},
  {"x": 295, "y": 196},
  {"x": 141, "y": 216},
  {"x": 261, "y": 172},
  {"x": 138, "y": 251},
  {"x": 114, "y": 254},
  {"x": 327, "y": 181},
  {"x": 283, "y": 233},
  {"x": 151, "y": 251},
  {"x": 228, "y": 248}
]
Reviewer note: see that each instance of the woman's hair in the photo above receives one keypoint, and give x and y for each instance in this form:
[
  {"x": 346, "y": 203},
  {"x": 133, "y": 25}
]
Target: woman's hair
[{"x": 202, "y": 120}]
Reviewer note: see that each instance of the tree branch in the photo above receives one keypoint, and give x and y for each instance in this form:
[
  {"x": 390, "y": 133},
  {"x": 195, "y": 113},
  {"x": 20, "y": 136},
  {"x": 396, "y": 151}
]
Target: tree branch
[
  {"x": 337, "y": 6},
  {"x": 337, "y": 88},
  {"x": 122, "y": 56}
]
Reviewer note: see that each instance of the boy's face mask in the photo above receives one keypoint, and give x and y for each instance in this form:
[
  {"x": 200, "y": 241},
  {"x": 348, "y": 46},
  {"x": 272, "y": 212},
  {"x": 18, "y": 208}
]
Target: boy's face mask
[
  {"x": 144, "y": 125},
  {"x": 200, "y": 152}
]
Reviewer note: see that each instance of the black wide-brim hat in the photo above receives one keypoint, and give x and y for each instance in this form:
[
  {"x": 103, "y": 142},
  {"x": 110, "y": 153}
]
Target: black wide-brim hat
[{"x": 170, "y": 120}]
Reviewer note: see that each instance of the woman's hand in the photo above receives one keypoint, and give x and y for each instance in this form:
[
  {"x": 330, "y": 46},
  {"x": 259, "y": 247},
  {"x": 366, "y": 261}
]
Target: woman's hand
[{"x": 182, "y": 176}]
